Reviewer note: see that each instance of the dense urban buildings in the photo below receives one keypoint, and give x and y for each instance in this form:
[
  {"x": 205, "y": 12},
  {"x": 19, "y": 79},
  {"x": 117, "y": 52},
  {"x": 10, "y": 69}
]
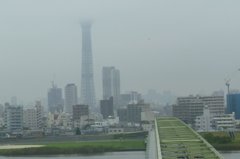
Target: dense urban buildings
[
  {"x": 87, "y": 82},
  {"x": 55, "y": 100},
  {"x": 111, "y": 84},
  {"x": 188, "y": 108},
  {"x": 106, "y": 108},
  {"x": 233, "y": 104},
  {"x": 71, "y": 97}
]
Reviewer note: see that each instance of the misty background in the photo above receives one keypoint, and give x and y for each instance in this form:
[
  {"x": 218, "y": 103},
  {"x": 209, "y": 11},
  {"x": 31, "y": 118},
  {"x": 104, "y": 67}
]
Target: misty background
[{"x": 184, "y": 46}]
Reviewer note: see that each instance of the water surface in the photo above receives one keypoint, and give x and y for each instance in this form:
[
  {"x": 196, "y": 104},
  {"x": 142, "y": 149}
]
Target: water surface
[
  {"x": 113, "y": 155},
  {"x": 231, "y": 155}
]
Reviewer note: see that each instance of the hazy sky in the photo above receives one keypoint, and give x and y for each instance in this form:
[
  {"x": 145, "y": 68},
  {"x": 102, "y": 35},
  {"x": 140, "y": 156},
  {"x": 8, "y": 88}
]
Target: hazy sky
[{"x": 186, "y": 46}]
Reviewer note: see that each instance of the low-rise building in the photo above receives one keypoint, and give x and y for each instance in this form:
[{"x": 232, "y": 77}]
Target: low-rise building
[
  {"x": 115, "y": 130},
  {"x": 203, "y": 122},
  {"x": 224, "y": 122}
]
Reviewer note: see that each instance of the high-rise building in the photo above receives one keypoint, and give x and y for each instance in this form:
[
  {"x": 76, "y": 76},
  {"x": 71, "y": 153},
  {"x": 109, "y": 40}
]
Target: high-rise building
[
  {"x": 106, "y": 107},
  {"x": 40, "y": 114},
  {"x": 111, "y": 84},
  {"x": 55, "y": 100},
  {"x": 13, "y": 117},
  {"x": 71, "y": 97},
  {"x": 233, "y": 104},
  {"x": 87, "y": 82}
]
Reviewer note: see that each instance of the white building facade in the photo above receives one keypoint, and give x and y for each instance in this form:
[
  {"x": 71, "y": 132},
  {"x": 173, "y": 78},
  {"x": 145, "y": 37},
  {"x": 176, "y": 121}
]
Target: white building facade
[
  {"x": 30, "y": 119},
  {"x": 13, "y": 118},
  {"x": 206, "y": 122}
]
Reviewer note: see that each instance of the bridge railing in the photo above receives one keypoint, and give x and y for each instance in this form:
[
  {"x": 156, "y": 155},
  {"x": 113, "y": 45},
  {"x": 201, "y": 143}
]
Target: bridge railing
[
  {"x": 176, "y": 139},
  {"x": 158, "y": 144},
  {"x": 200, "y": 137}
]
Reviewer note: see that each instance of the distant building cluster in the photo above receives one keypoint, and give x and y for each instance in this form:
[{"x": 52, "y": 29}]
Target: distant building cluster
[
  {"x": 188, "y": 108},
  {"x": 64, "y": 112},
  {"x": 209, "y": 113},
  {"x": 20, "y": 121}
]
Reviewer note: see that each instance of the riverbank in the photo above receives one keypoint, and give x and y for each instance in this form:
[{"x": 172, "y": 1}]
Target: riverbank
[
  {"x": 77, "y": 148},
  {"x": 222, "y": 141},
  {"x": 3, "y": 147},
  {"x": 72, "y": 138}
]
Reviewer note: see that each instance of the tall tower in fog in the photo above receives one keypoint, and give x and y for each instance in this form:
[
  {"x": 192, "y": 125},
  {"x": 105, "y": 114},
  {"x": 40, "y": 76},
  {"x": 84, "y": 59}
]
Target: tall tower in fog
[{"x": 87, "y": 84}]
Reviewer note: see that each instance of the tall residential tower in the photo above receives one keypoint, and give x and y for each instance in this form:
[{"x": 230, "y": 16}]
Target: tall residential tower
[
  {"x": 111, "y": 84},
  {"x": 87, "y": 84},
  {"x": 71, "y": 97},
  {"x": 55, "y": 100}
]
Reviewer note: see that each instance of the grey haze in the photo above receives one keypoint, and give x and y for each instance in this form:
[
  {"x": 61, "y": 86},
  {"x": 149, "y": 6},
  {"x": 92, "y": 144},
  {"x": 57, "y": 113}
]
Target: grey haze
[{"x": 186, "y": 46}]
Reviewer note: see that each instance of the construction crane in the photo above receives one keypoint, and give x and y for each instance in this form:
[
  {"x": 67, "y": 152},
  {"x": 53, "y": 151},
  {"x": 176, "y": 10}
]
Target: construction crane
[
  {"x": 227, "y": 81},
  {"x": 228, "y": 85}
]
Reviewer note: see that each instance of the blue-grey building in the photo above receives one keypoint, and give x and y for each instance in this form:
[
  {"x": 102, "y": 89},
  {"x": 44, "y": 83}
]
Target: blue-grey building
[
  {"x": 233, "y": 104},
  {"x": 55, "y": 100}
]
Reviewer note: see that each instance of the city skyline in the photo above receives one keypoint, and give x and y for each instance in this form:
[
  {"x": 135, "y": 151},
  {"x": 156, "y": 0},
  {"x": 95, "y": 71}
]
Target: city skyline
[
  {"x": 113, "y": 79},
  {"x": 152, "y": 51}
]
